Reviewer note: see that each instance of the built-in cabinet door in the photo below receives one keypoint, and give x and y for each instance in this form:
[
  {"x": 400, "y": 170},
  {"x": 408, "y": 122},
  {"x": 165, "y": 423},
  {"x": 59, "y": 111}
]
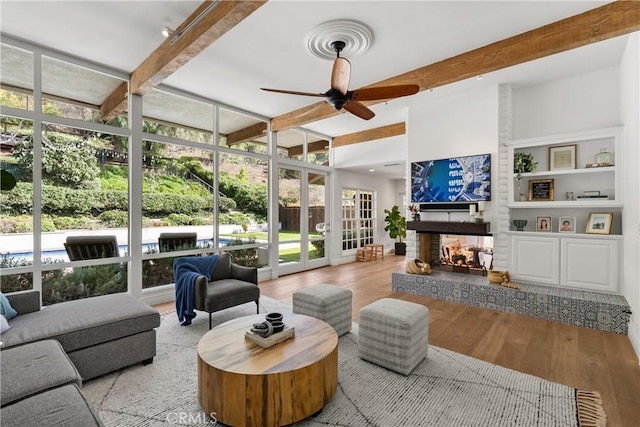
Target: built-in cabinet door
[
  {"x": 590, "y": 264},
  {"x": 535, "y": 259}
]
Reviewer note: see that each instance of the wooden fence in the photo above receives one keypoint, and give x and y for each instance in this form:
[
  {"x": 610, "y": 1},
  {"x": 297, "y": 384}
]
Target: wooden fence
[{"x": 290, "y": 218}]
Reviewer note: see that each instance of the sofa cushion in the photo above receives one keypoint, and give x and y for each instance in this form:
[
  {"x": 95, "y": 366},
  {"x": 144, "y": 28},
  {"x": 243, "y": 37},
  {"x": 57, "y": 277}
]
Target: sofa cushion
[
  {"x": 33, "y": 368},
  {"x": 223, "y": 267},
  {"x": 5, "y": 308},
  {"x": 62, "y": 406},
  {"x": 83, "y": 323}
]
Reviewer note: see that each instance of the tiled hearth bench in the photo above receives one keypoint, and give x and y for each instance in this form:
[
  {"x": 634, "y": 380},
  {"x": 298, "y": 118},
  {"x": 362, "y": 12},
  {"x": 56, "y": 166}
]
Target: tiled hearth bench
[{"x": 606, "y": 312}]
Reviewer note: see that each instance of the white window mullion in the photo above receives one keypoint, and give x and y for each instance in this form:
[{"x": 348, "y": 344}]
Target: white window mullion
[
  {"x": 37, "y": 174},
  {"x": 135, "y": 195}
]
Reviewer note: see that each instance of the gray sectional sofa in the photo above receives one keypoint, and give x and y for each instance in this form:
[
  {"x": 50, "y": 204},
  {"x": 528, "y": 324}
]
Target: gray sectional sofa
[{"x": 48, "y": 352}]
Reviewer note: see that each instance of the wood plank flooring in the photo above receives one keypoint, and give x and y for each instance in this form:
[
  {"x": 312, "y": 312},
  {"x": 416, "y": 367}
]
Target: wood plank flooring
[
  {"x": 578, "y": 357},
  {"x": 583, "y": 358}
]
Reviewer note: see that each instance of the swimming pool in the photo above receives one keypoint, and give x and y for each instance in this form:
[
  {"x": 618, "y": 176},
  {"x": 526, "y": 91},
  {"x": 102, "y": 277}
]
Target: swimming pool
[{"x": 61, "y": 254}]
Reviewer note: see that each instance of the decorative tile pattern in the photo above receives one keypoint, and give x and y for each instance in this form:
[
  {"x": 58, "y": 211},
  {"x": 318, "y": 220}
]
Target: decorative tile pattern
[{"x": 606, "y": 312}]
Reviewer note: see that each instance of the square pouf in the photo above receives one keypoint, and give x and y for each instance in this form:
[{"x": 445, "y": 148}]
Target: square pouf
[
  {"x": 325, "y": 302},
  {"x": 394, "y": 334}
]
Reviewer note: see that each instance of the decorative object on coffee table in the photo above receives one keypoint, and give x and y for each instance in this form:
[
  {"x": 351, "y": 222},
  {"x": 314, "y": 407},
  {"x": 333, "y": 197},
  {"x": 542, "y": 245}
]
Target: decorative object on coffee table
[
  {"x": 519, "y": 224},
  {"x": 284, "y": 333}
]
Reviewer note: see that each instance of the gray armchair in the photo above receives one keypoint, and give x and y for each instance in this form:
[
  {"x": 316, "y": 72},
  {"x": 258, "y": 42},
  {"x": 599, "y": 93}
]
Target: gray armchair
[{"x": 230, "y": 285}]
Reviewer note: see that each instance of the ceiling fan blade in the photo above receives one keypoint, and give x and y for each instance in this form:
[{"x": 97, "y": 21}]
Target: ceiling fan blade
[
  {"x": 341, "y": 75},
  {"x": 293, "y": 92},
  {"x": 358, "y": 109},
  {"x": 384, "y": 92}
]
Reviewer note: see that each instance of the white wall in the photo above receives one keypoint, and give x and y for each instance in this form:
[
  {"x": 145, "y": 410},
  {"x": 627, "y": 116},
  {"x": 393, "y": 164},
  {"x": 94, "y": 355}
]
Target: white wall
[
  {"x": 388, "y": 150},
  {"x": 386, "y": 193},
  {"x": 583, "y": 102},
  {"x": 630, "y": 112},
  {"x": 459, "y": 125}
]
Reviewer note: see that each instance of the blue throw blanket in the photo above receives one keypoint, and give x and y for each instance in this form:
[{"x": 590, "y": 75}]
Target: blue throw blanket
[{"x": 185, "y": 272}]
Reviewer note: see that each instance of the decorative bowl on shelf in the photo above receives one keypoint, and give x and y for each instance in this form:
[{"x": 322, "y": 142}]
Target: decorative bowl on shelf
[{"x": 519, "y": 224}]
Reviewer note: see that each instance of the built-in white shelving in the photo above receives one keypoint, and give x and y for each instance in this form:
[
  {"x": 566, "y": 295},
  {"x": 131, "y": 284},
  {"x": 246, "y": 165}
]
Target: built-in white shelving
[
  {"x": 606, "y": 180},
  {"x": 574, "y": 260}
]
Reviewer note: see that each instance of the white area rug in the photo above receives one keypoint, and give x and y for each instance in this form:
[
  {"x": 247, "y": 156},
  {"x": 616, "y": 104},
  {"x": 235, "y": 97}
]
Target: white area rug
[{"x": 446, "y": 389}]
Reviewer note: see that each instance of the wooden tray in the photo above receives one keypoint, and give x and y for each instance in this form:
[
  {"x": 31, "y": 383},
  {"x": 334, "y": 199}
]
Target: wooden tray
[{"x": 287, "y": 332}]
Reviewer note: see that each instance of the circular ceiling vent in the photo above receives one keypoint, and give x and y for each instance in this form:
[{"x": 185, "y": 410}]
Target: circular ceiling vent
[{"x": 357, "y": 38}]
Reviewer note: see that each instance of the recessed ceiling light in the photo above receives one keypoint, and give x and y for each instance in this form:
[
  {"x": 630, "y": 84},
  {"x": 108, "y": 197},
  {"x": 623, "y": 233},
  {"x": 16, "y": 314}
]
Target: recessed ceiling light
[{"x": 372, "y": 170}]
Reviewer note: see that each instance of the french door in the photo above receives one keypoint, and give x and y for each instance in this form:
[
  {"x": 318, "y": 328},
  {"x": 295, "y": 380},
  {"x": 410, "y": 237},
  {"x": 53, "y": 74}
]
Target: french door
[{"x": 303, "y": 217}]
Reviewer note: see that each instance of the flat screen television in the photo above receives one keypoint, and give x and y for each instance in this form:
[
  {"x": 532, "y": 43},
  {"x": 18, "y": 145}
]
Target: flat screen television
[{"x": 461, "y": 180}]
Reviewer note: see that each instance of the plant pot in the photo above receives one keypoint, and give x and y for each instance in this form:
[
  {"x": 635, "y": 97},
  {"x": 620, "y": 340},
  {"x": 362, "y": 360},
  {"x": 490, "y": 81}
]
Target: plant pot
[{"x": 401, "y": 248}]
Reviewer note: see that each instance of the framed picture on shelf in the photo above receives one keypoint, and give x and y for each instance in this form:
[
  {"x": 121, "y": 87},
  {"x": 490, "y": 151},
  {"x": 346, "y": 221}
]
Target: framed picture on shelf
[
  {"x": 599, "y": 222},
  {"x": 541, "y": 190},
  {"x": 567, "y": 224},
  {"x": 543, "y": 223},
  {"x": 563, "y": 157}
]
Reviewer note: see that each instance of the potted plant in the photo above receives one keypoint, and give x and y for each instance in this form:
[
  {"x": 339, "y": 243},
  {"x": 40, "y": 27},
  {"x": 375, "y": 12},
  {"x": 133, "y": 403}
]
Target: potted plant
[
  {"x": 397, "y": 228},
  {"x": 523, "y": 163}
]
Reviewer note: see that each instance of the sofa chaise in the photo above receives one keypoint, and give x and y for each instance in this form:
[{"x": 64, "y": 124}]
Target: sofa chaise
[{"x": 100, "y": 334}]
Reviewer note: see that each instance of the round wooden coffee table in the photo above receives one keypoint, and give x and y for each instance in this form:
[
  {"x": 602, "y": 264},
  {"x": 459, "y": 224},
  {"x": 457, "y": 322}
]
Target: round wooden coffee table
[{"x": 243, "y": 384}]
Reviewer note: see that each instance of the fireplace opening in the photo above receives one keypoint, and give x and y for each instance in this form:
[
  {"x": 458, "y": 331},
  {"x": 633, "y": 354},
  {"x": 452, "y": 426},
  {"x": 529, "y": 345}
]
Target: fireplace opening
[{"x": 464, "y": 254}]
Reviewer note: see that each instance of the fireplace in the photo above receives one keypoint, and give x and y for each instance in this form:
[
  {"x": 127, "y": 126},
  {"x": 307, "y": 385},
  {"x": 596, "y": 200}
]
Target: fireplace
[
  {"x": 464, "y": 254},
  {"x": 457, "y": 247}
]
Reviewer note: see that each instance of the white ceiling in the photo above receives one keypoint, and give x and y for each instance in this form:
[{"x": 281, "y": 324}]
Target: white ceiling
[{"x": 268, "y": 48}]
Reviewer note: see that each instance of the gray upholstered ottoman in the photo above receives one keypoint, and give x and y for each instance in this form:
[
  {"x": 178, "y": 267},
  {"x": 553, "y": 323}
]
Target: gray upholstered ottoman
[
  {"x": 394, "y": 334},
  {"x": 329, "y": 303}
]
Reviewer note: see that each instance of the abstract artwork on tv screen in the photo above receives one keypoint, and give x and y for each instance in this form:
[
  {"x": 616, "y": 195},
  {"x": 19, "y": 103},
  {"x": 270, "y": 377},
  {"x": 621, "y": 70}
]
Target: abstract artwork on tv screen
[{"x": 459, "y": 179}]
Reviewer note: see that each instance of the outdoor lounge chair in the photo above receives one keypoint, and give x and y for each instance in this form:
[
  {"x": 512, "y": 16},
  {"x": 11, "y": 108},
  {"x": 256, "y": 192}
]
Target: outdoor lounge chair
[
  {"x": 169, "y": 242},
  {"x": 91, "y": 247}
]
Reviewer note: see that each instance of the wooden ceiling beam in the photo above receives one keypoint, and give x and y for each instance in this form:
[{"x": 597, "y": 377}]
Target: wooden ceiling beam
[
  {"x": 312, "y": 147},
  {"x": 604, "y": 22},
  {"x": 246, "y": 134},
  {"x": 209, "y": 22},
  {"x": 388, "y": 131}
]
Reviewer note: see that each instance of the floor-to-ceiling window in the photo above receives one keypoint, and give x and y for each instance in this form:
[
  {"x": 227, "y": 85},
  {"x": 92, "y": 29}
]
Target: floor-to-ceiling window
[
  {"x": 176, "y": 164},
  {"x": 58, "y": 150}
]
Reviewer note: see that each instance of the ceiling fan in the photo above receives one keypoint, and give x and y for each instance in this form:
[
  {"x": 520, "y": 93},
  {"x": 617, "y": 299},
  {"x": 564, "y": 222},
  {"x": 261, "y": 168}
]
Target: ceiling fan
[{"x": 341, "y": 97}]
